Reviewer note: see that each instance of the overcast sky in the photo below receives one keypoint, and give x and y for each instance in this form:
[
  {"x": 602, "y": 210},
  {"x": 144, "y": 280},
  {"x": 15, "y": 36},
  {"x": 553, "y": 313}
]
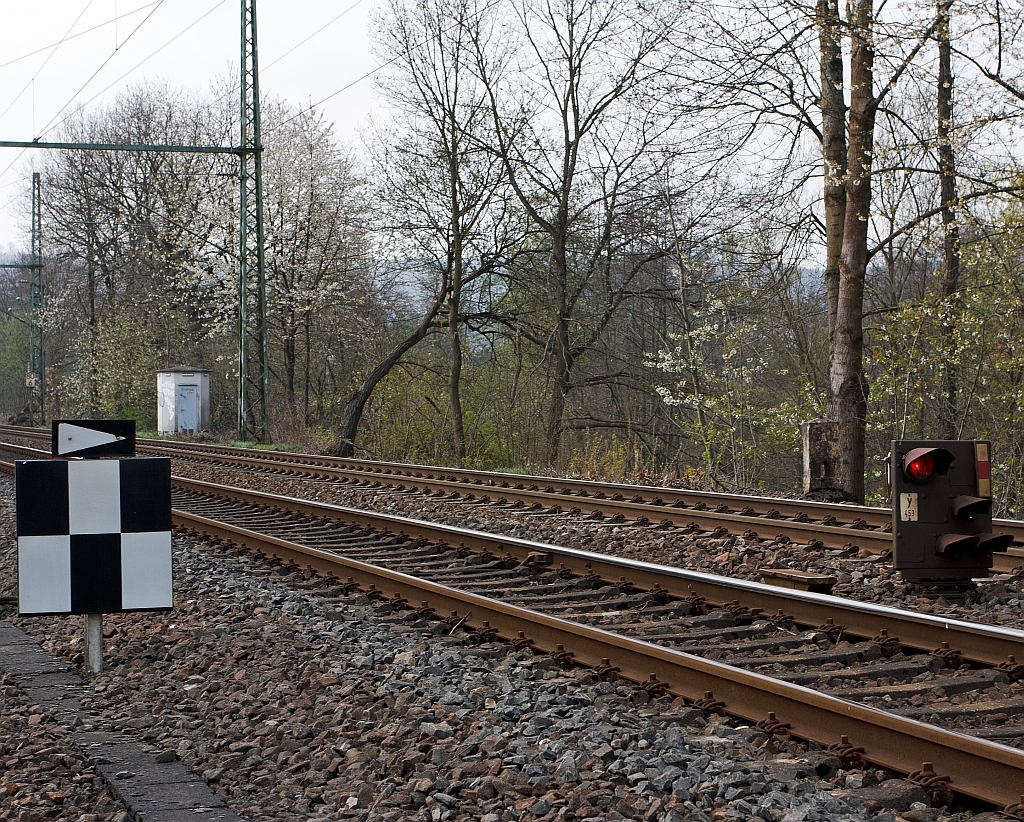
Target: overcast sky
[{"x": 188, "y": 43}]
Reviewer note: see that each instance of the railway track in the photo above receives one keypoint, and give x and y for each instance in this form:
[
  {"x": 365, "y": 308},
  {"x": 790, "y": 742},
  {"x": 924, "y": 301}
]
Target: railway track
[
  {"x": 816, "y": 525},
  {"x": 804, "y": 522},
  {"x": 810, "y": 669},
  {"x": 792, "y": 662}
]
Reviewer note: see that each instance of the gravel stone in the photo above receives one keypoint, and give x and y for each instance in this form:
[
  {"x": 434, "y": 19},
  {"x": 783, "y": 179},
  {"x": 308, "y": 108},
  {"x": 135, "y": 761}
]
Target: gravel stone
[
  {"x": 41, "y": 775},
  {"x": 297, "y": 702}
]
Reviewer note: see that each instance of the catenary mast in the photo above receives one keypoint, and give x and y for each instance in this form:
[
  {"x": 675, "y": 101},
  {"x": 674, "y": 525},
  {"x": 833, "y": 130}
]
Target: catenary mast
[{"x": 253, "y": 368}]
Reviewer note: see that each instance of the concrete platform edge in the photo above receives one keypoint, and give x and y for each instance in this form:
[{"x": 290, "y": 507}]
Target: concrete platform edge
[{"x": 151, "y": 791}]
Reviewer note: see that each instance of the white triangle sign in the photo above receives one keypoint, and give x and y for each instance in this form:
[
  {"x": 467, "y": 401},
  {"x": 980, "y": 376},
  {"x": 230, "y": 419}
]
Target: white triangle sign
[{"x": 73, "y": 438}]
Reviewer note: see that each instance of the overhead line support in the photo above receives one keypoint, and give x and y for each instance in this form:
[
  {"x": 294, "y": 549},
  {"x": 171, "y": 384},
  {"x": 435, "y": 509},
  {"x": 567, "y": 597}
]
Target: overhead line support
[
  {"x": 36, "y": 300},
  {"x": 253, "y": 362},
  {"x": 123, "y": 147}
]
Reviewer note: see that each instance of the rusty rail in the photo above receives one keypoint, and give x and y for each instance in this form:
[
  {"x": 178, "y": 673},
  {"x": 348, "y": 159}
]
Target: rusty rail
[
  {"x": 979, "y": 643},
  {"x": 976, "y": 768},
  {"x": 463, "y": 478},
  {"x": 770, "y": 516},
  {"x": 878, "y": 542}
]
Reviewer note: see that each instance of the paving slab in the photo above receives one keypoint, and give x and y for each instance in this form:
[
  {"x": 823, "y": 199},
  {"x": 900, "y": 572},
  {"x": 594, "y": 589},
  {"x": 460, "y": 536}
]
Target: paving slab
[
  {"x": 57, "y": 698},
  {"x": 54, "y": 680},
  {"x": 11, "y": 636},
  {"x": 153, "y": 791}
]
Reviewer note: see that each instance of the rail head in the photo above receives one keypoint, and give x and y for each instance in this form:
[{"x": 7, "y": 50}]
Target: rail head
[
  {"x": 977, "y": 768},
  {"x": 988, "y": 645}
]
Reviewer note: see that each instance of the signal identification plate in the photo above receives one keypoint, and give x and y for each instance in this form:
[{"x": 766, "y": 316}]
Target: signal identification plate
[{"x": 908, "y": 507}]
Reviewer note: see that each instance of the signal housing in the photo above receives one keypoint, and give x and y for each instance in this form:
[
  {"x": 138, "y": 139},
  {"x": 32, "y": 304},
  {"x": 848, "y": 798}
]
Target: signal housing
[{"x": 942, "y": 512}]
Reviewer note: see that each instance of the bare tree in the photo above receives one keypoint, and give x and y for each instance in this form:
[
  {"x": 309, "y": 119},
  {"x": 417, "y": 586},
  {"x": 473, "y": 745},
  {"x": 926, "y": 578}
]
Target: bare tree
[
  {"x": 575, "y": 134},
  {"x": 445, "y": 196}
]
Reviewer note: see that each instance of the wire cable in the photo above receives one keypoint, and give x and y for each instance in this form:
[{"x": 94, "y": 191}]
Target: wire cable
[
  {"x": 373, "y": 71},
  {"x": 75, "y": 36},
  {"x": 314, "y": 34},
  {"x": 136, "y": 66},
  {"x": 9, "y": 167},
  {"x": 13, "y": 200},
  {"x": 47, "y": 60},
  {"x": 51, "y": 123},
  {"x": 222, "y": 97},
  {"x": 93, "y": 75},
  {"x": 46, "y": 128}
]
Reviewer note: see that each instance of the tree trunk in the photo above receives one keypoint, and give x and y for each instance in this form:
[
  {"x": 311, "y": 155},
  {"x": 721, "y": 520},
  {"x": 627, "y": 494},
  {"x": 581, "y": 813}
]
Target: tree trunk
[
  {"x": 561, "y": 356},
  {"x": 454, "y": 302},
  {"x": 950, "y": 230},
  {"x": 94, "y": 396},
  {"x": 353, "y": 413},
  {"x": 289, "y": 352},
  {"x": 455, "y": 377},
  {"x": 847, "y": 404},
  {"x": 833, "y": 145},
  {"x": 305, "y": 365}
]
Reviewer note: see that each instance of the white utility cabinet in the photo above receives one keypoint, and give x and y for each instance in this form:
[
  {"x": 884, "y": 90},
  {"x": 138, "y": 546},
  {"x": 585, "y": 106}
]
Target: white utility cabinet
[{"x": 182, "y": 400}]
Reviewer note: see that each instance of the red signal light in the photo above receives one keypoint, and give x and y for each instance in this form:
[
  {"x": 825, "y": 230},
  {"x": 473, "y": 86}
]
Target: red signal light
[{"x": 921, "y": 468}]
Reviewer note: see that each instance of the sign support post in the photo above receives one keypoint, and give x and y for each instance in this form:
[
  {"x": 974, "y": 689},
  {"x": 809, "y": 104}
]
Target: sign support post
[
  {"x": 94, "y": 528},
  {"x": 94, "y": 642}
]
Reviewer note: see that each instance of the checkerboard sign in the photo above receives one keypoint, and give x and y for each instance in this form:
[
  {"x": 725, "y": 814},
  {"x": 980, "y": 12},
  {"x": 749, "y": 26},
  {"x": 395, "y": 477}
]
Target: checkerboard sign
[{"x": 94, "y": 536}]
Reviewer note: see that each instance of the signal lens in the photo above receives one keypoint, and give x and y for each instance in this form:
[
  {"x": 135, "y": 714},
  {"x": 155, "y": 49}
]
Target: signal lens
[{"x": 922, "y": 468}]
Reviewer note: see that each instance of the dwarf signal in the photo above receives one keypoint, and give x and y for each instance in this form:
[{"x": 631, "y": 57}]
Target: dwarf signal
[{"x": 942, "y": 511}]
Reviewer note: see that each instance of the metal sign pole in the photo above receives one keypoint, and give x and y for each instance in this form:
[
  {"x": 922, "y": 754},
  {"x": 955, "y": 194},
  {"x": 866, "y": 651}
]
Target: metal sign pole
[{"x": 94, "y": 642}]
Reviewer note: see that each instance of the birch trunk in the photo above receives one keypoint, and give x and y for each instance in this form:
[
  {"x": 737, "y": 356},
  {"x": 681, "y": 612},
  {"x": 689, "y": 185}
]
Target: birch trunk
[{"x": 847, "y": 402}]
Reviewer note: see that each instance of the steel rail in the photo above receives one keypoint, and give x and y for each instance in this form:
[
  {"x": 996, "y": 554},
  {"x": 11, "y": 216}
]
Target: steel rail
[
  {"x": 973, "y": 767},
  {"x": 831, "y": 536},
  {"x": 983, "y": 644},
  {"x": 584, "y": 492},
  {"x": 873, "y": 516},
  {"x": 1010, "y": 561},
  {"x": 289, "y": 459},
  {"x": 31, "y": 453},
  {"x": 764, "y": 527},
  {"x": 843, "y": 537},
  {"x": 502, "y": 482},
  {"x": 970, "y": 766}
]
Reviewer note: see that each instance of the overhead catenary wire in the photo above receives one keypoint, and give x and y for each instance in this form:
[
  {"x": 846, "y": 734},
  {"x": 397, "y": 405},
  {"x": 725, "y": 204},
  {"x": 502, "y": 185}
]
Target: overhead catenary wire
[
  {"x": 47, "y": 60},
  {"x": 263, "y": 69},
  {"x": 153, "y": 7},
  {"x": 310, "y": 37},
  {"x": 12, "y": 201},
  {"x": 11, "y": 164},
  {"x": 46, "y": 128},
  {"x": 98, "y": 70},
  {"x": 146, "y": 59},
  {"x": 169, "y": 42},
  {"x": 384, "y": 65},
  {"x": 51, "y": 124},
  {"x": 82, "y": 33}
]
